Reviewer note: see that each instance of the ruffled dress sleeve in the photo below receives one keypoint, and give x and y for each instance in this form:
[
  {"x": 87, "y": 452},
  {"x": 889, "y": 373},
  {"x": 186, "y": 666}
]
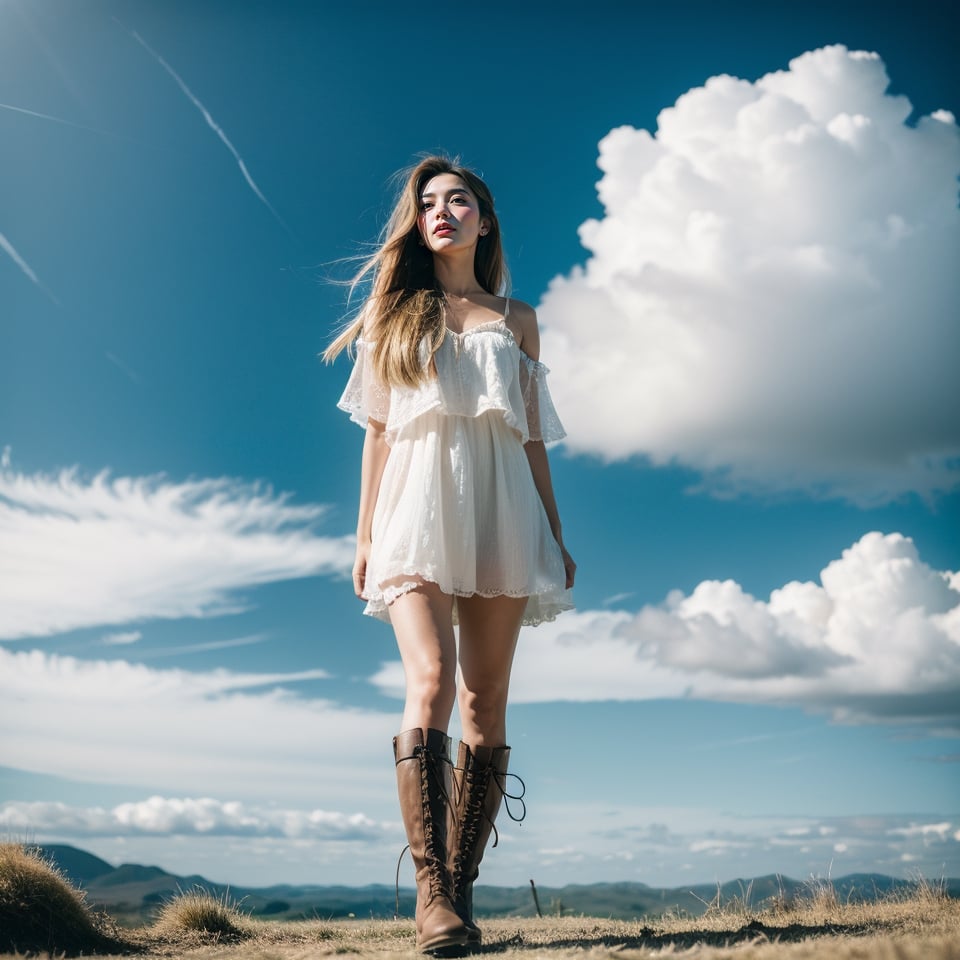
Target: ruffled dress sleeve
[
  {"x": 542, "y": 420},
  {"x": 365, "y": 396}
]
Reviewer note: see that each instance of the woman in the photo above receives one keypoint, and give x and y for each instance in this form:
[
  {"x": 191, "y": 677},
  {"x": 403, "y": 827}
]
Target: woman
[{"x": 458, "y": 524}]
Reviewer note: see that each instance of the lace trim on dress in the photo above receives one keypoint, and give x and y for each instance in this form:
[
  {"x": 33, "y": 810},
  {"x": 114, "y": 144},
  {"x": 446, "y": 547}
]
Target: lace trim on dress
[
  {"x": 365, "y": 397},
  {"x": 543, "y": 422},
  {"x": 541, "y": 608}
]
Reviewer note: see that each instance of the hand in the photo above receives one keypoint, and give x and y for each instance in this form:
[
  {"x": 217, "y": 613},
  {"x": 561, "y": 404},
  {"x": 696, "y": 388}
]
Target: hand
[
  {"x": 569, "y": 566},
  {"x": 360, "y": 569}
]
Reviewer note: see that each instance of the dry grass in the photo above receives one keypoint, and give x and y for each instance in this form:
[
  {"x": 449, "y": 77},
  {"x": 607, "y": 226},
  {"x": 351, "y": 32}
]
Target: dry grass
[
  {"x": 197, "y": 926},
  {"x": 41, "y": 912},
  {"x": 197, "y": 913},
  {"x": 914, "y": 929}
]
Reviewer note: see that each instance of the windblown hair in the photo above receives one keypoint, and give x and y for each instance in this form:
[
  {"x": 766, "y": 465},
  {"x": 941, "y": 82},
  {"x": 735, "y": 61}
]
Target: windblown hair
[{"x": 405, "y": 306}]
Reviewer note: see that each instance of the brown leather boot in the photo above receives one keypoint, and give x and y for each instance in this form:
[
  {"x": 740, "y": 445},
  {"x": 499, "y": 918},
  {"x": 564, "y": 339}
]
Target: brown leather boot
[
  {"x": 423, "y": 783},
  {"x": 480, "y": 776}
]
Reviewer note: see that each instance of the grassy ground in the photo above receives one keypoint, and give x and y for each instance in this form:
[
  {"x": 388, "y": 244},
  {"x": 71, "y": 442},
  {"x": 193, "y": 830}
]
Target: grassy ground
[
  {"x": 39, "y": 916},
  {"x": 927, "y": 928}
]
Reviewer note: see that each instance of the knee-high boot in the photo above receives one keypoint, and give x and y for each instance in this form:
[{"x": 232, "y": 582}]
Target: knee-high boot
[
  {"x": 479, "y": 775},
  {"x": 423, "y": 784}
]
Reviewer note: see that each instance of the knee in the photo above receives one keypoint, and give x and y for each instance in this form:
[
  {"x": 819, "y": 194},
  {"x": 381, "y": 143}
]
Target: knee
[
  {"x": 431, "y": 684},
  {"x": 483, "y": 706}
]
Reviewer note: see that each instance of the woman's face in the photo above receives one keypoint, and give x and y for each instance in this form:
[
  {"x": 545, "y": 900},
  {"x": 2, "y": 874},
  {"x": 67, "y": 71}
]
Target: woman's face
[{"x": 450, "y": 215}]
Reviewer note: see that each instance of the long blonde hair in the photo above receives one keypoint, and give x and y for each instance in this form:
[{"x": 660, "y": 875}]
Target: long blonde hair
[{"x": 405, "y": 306}]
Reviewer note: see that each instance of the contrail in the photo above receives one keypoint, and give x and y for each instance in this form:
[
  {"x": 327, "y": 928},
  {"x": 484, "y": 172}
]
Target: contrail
[
  {"x": 46, "y": 116},
  {"x": 66, "y": 123},
  {"x": 123, "y": 367},
  {"x": 212, "y": 124},
  {"x": 6, "y": 245},
  {"x": 47, "y": 50}
]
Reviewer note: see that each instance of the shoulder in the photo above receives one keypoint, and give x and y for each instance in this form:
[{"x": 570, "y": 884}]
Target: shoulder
[{"x": 523, "y": 320}]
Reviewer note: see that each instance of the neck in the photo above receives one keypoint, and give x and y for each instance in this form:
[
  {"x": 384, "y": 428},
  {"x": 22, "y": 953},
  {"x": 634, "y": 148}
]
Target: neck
[{"x": 457, "y": 278}]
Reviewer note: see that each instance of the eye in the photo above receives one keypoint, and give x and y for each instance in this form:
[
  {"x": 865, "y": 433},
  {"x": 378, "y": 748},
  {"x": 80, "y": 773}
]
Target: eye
[{"x": 426, "y": 205}]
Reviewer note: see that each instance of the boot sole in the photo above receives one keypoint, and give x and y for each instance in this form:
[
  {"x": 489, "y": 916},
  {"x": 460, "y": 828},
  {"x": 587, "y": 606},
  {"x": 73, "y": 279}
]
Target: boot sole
[{"x": 458, "y": 947}]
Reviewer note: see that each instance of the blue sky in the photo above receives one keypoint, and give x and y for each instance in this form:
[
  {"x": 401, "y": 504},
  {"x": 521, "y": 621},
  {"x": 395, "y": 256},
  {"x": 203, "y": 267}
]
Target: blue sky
[{"x": 749, "y": 310}]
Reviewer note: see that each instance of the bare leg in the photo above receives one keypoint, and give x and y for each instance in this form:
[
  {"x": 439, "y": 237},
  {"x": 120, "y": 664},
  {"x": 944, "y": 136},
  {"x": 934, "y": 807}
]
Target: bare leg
[
  {"x": 423, "y": 623},
  {"x": 489, "y": 627}
]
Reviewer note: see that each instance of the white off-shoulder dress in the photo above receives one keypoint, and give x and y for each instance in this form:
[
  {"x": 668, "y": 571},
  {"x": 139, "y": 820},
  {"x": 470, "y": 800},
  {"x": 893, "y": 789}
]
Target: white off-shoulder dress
[{"x": 457, "y": 503}]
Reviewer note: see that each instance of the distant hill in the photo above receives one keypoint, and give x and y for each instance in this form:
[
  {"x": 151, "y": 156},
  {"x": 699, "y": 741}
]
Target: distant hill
[
  {"x": 132, "y": 893},
  {"x": 78, "y": 866}
]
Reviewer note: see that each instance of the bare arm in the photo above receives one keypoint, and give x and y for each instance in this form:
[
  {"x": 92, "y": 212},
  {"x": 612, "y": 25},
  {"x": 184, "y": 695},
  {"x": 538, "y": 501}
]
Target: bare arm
[
  {"x": 373, "y": 460},
  {"x": 536, "y": 450}
]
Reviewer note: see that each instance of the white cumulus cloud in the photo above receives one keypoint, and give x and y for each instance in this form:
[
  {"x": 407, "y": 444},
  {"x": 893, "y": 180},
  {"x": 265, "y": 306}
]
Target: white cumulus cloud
[
  {"x": 877, "y": 639},
  {"x": 79, "y": 553},
  {"x": 283, "y": 844},
  {"x": 772, "y": 292},
  {"x": 188, "y": 816}
]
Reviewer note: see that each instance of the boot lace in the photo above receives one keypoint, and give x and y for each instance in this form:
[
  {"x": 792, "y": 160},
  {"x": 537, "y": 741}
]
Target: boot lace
[
  {"x": 431, "y": 769},
  {"x": 476, "y": 783},
  {"x": 500, "y": 780}
]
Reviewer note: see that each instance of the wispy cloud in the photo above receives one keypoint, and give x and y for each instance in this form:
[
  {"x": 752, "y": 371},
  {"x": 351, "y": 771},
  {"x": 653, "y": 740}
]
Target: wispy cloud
[
  {"x": 695, "y": 844},
  {"x": 205, "y": 647},
  {"x": 25, "y": 267},
  {"x": 80, "y": 553},
  {"x": 121, "y": 639},
  {"x": 211, "y": 123},
  {"x": 195, "y": 733}
]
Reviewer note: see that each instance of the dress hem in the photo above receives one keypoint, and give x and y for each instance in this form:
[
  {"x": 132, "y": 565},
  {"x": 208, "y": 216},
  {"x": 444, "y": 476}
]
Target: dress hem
[{"x": 549, "y": 604}]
